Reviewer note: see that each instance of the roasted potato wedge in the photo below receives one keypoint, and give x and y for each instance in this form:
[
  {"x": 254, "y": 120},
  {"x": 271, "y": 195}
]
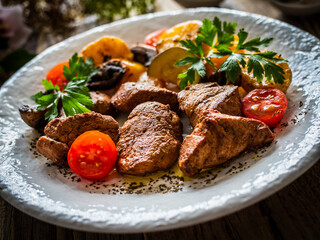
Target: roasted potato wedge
[
  {"x": 249, "y": 83},
  {"x": 163, "y": 66},
  {"x": 133, "y": 71},
  {"x": 106, "y": 48},
  {"x": 182, "y": 31}
]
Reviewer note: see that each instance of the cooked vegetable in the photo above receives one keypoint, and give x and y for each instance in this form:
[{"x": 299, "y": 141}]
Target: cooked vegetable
[
  {"x": 108, "y": 76},
  {"x": 152, "y": 38},
  {"x": 75, "y": 97},
  {"x": 143, "y": 54},
  {"x": 249, "y": 82},
  {"x": 105, "y": 49},
  {"x": 267, "y": 105},
  {"x": 133, "y": 71},
  {"x": 163, "y": 65},
  {"x": 220, "y": 36},
  {"x": 92, "y": 155},
  {"x": 181, "y": 31},
  {"x": 55, "y": 75},
  {"x": 115, "y": 72}
]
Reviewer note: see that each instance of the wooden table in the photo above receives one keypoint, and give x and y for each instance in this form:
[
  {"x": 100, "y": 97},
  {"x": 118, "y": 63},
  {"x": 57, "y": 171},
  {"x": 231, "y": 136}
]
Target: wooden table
[{"x": 292, "y": 213}]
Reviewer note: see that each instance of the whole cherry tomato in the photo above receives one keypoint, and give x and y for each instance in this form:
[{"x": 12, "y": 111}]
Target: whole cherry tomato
[
  {"x": 92, "y": 155},
  {"x": 55, "y": 75},
  {"x": 267, "y": 105},
  {"x": 152, "y": 38}
]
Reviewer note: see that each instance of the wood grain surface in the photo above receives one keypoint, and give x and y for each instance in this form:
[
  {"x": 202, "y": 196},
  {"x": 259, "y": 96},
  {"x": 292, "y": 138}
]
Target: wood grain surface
[{"x": 292, "y": 213}]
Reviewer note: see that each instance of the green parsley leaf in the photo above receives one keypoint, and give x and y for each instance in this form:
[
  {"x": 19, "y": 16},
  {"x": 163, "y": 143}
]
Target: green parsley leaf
[
  {"x": 242, "y": 35},
  {"x": 196, "y": 64},
  {"x": 269, "y": 69},
  {"x": 225, "y": 32},
  {"x": 186, "y": 77},
  {"x": 220, "y": 35},
  {"x": 78, "y": 68},
  {"x": 36, "y": 96},
  {"x": 232, "y": 66},
  {"x": 72, "y": 103},
  {"x": 52, "y": 111},
  {"x": 48, "y": 85},
  {"x": 191, "y": 46},
  {"x": 46, "y": 100},
  {"x": 207, "y": 32},
  {"x": 71, "y": 71},
  {"x": 186, "y": 60},
  {"x": 77, "y": 86},
  {"x": 253, "y": 44},
  {"x": 75, "y": 96}
]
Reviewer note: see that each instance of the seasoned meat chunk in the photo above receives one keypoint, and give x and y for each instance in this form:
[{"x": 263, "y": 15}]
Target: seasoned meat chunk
[
  {"x": 209, "y": 96},
  {"x": 66, "y": 130},
  {"x": 32, "y": 117},
  {"x": 131, "y": 94},
  {"x": 61, "y": 132},
  {"x": 219, "y": 137},
  {"x": 101, "y": 103},
  {"x": 150, "y": 140},
  {"x": 54, "y": 150}
]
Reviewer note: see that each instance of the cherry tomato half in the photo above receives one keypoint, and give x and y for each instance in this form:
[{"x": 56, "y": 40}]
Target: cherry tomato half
[
  {"x": 267, "y": 105},
  {"x": 92, "y": 155},
  {"x": 152, "y": 38},
  {"x": 55, "y": 75}
]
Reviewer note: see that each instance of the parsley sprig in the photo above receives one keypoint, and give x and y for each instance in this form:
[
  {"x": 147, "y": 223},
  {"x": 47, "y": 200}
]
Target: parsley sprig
[
  {"x": 75, "y": 96},
  {"x": 219, "y": 35}
]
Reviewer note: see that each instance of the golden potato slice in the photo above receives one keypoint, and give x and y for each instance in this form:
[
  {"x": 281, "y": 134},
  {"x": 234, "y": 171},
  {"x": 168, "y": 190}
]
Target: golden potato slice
[
  {"x": 133, "y": 71},
  {"x": 106, "y": 48},
  {"x": 182, "y": 31},
  {"x": 163, "y": 66},
  {"x": 249, "y": 83}
]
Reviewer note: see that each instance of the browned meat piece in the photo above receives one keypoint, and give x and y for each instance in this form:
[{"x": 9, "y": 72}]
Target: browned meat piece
[
  {"x": 54, "y": 150},
  {"x": 219, "y": 137},
  {"x": 33, "y": 117},
  {"x": 209, "y": 96},
  {"x": 66, "y": 130},
  {"x": 132, "y": 94},
  {"x": 101, "y": 103},
  {"x": 150, "y": 140}
]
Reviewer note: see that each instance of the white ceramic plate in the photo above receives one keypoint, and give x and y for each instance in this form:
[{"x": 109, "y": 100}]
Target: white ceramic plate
[{"x": 45, "y": 193}]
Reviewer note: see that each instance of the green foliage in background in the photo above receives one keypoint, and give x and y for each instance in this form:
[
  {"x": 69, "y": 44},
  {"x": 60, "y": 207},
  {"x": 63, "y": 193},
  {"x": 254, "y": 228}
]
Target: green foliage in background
[
  {"x": 47, "y": 15},
  {"x": 114, "y": 9},
  {"x": 57, "y": 16}
]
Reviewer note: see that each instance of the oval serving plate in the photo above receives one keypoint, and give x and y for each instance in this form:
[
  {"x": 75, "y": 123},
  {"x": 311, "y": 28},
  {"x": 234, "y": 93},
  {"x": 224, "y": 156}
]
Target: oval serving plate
[{"x": 56, "y": 196}]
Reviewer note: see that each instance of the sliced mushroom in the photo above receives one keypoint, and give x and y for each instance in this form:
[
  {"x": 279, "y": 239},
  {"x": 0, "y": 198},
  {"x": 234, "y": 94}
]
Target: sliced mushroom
[
  {"x": 143, "y": 54},
  {"x": 108, "y": 76}
]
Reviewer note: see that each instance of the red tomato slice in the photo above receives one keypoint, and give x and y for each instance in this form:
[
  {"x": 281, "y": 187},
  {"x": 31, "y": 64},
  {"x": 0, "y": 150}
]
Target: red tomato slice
[
  {"x": 152, "y": 38},
  {"x": 55, "y": 75},
  {"x": 267, "y": 105},
  {"x": 92, "y": 155}
]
